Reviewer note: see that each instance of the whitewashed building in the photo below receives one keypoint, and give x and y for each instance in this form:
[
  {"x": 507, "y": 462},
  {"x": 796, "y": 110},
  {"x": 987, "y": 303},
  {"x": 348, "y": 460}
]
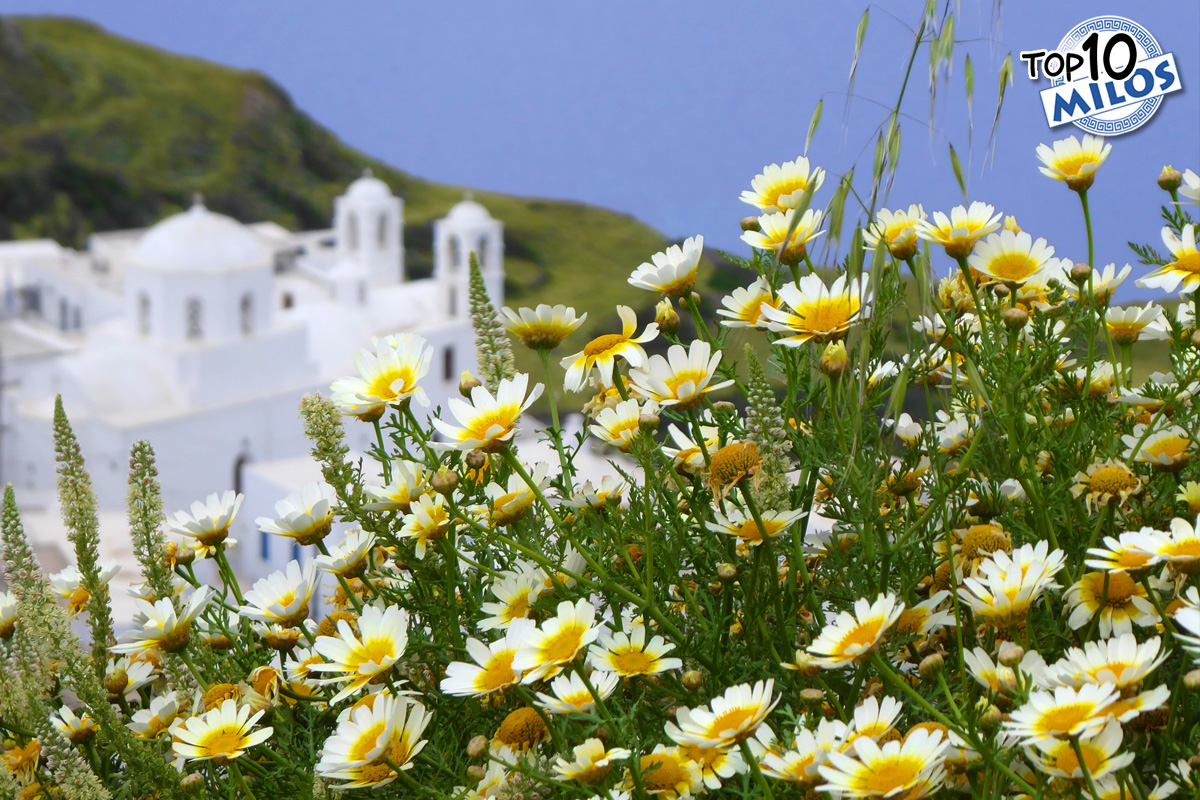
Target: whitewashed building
[{"x": 201, "y": 334}]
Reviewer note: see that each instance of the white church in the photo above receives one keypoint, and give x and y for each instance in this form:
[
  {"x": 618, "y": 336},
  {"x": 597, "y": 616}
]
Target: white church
[{"x": 201, "y": 334}]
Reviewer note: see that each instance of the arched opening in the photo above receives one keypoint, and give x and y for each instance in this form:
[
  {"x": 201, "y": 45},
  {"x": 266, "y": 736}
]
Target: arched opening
[
  {"x": 480, "y": 251},
  {"x": 381, "y": 231},
  {"x": 143, "y": 312},
  {"x": 351, "y": 232},
  {"x": 455, "y": 255},
  {"x": 64, "y": 310},
  {"x": 194, "y": 319},
  {"x": 246, "y": 311},
  {"x": 448, "y": 363},
  {"x": 453, "y": 301}
]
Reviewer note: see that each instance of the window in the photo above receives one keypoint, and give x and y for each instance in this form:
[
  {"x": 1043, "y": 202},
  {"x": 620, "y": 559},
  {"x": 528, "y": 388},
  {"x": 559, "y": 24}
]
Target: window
[
  {"x": 448, "y": 364},
  {"x": 264, "y": 545},
  {"x": 480, "y": 249},
  {"x": 64, "y": 310},
  {"x": 194, "y": 319},
  {"x": 381, "y": 231},
  {"x": 351, "y": 232},
  {"x": 247, "y": 314},
  {"x": 455, "y": 256},
  {"x": 143, "y": 314},
  {"x": 453, "y": 300},
  {"x": 295, "y": 552},
  {"x": 77, "y": 318}
]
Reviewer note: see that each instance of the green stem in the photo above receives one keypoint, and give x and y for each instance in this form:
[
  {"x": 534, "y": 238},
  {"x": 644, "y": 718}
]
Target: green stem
[
  {"x": 240, "y": 781},
  {"x": 759, "y": 778},
  {"x": 1087, "y": 773},
  {"x": 555, "y": 428}
]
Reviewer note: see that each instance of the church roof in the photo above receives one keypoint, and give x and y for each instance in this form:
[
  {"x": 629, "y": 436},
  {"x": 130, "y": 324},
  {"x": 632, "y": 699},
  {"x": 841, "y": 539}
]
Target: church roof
[
  {"x": 199, "y": 239},
  {"x": 468, "y": 212},
  {"x": 368, "y": 188}
]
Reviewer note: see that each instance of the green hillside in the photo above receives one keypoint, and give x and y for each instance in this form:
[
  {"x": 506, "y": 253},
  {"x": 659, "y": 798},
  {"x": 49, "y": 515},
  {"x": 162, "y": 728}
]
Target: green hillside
[{"x": 99, "y": 133}]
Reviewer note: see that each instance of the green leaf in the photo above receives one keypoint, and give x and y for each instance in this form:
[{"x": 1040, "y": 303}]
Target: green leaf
[
  {"x": 1006, "y": 78},
  {"x": 958, "y": 171},
  {"x": 837, "y": 206},
  {"x": 812, "y": 125},
  {"x": 969, "y": 78},
  {"x": 858, "y": 43}
]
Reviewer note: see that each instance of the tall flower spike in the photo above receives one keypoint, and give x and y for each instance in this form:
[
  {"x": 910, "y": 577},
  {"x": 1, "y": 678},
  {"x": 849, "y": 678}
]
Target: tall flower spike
[
  {"x": 493, "y": 350},
  {"x": 765, "y": 427},
  {"x": 79, "y": 511},
  {"x": 45, "y": 631},
  {"x": 146, "y": 519},
  {"x": 323, "y": 428}
]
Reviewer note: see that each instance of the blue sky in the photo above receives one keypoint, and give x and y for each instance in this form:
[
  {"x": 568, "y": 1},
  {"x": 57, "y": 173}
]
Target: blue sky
[{"x": 666, "y": 110}]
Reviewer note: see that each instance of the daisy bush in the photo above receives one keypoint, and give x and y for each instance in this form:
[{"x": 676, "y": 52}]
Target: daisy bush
[{"x": 931, "y": 531}]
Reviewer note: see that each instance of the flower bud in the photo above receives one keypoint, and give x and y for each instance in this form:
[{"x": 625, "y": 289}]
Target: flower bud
[
  {"x": 834, "y": 360},
  {"x": 475, "y": 773},
  {"x": 477, "y": 747},
  {"x": 467, "y": 383},
  {"x": 989, "y": 721},
  {"x": 184, "y": 556},
  {"x": 813, "y": 698},
  {"x": 1080, "y": 273},
  {"x": 1001, "y": 291},
  {"x": 1196, "y": 339},
  {"x": 603, "y": 734},
  {"x": 1010, "y": 654},
  {"x": 1015, "y": 318},
  {"x": 1010, "y": 224},
  {"x": 724, "y": 408},
  {"x": 1170, "y": 179},
  {"x": 932, "y": 666},
  {"x": 193, "y": 780},
  {"x": 751, "y": 224},
  {"x": 648, "y": 422},
  {"x": 1191, "y": 681},
  {"x": 726, "y": 571},
  {"x": 476, "y": 459},
  {"x": 666, "y": 316},
  {"x": 692, "y": 679},
  {"x": 444, "y": 481}
]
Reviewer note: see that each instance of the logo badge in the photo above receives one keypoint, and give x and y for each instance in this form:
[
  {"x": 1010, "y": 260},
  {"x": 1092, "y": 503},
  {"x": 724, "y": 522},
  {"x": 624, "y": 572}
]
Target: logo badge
[{"x": 1108, "y": 76}]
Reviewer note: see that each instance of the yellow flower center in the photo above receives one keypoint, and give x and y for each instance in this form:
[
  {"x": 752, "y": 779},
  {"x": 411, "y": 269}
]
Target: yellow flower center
[
  {"x": 518, "y": 608},
  {"x": 1012, "y": 266},
  {"x": 733, "y": 719},
  {"x": 1185, "y": 549},
  {"x": 1068, "y": 762},
  {"x": 367, "y": 741},
  {"x": 382, "y": 384},
  {"x": 828, "y": 315},
  {"x": 497, "y": 673},
  {"x": 602, "y": 344},
  {"x": 562, "y": 646},
  {"x": 632, "y": 662},
  {"x": 1188, "y": 262},
  {"x": 662, "y": 772},
  {"x": 221, "y": 743},
  {"x": 885, "y": 777},
  {"x": 1173, "y": 447},
  {"x": 373, "y": 651},
  {"x": 1121, "y": 588},
  {"x": 522, "y": 729},
  {"x": 218, "y": 693},
  {"x": 785, "y": 187},
  {"x": 1112, "y": 480},
  {"x": 911, "y": 620},
  {"x": 1063, "y": 719},
  {"x": 861, "y": 636},
  {"x": 378, "y": 772},
  {"x": 733, "y": 462},
  {"x": 981, "y": 540}
]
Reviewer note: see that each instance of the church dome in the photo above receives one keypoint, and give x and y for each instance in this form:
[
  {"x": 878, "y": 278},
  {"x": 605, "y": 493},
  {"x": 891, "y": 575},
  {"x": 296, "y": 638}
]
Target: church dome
[
  {"x": 468, "y": 212},
  {"x": 368, "y": 188},
  {"x": 199, "y": 239}
]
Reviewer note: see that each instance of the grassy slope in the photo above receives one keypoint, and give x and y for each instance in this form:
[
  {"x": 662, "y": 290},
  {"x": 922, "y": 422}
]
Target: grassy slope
[{"x": 99, "y": 132}]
